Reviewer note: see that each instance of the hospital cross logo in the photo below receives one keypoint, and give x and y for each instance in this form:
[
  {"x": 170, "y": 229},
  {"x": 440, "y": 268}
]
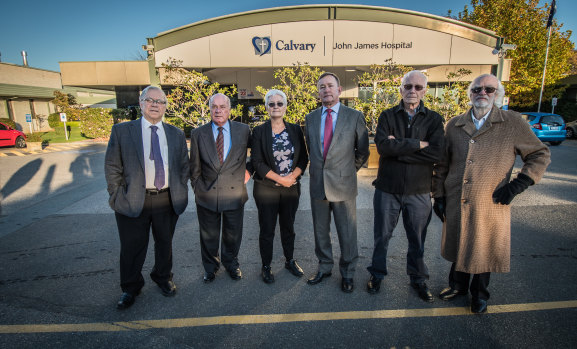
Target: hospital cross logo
[{"x": 262, "y": 46}]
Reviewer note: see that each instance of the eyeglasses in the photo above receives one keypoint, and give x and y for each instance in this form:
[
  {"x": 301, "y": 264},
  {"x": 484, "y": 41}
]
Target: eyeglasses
[
  {"x": 488, "y": 89},
  {"x": 409, "y": 87},
  {"x": 153, "y": 101},
  {"x": 278, "y": 104}
]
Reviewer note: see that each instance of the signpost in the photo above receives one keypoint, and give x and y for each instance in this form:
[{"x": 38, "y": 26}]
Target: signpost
[
  {"x": 505, "y": 103},
  {"x": 553, "y": 104},
  {"x": 29, "y": 121},
  {"x": 63, "y": 119}
]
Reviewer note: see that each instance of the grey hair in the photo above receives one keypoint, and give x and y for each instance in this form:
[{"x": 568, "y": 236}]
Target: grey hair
[
  {"x": 144, "y": 92},
  {"x": 274, "y": 92},
  {"x": 218, "y": 94},
  {"x": 412, "y": 72},
  {"x": 499, "y": 93}
]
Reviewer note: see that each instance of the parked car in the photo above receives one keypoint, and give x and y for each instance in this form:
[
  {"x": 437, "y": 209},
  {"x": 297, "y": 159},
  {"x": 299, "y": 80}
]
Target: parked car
[
  {"x": 547, "y": 127},
  {"x": 11, "y": 137},
  {"x": 572, "y": 129}
]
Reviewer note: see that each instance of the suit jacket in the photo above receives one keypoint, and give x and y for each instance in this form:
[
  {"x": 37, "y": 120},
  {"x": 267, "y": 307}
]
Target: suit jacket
[
  {"x": 219, "y": 187},
  {"x": 336, "y": 177},
  {"x": 261, "y": 154},
  {"x": 124, "y": 168}
]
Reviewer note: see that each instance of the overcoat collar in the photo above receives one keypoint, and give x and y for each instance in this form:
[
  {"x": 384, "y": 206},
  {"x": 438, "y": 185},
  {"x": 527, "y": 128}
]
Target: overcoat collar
[{"x": 466, "y": 122}]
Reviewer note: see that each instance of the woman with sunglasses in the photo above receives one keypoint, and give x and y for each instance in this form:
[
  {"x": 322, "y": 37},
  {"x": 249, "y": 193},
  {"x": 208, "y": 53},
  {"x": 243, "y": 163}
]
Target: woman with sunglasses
[{"x": 279, "y": 157}]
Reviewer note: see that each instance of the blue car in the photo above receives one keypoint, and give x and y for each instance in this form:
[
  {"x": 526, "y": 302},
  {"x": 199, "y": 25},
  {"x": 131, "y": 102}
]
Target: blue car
[{"x": 547, "y": 127}]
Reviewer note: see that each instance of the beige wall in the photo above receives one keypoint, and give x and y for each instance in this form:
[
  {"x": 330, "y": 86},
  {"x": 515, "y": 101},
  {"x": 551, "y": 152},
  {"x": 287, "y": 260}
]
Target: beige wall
[
  {"x": 105, "y": 73},
  {"x": 19, "y": 75},
  {"x": 21, "y": 107}
]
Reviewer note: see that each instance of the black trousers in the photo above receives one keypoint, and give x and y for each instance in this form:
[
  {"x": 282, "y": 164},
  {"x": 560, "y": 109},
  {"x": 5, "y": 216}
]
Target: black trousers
[
  {"x": 210, "y": 223},
  {"x": 272, "y": 202},
  {"x": 134, "y": 233},
  {"x": 478, "y": 287}
]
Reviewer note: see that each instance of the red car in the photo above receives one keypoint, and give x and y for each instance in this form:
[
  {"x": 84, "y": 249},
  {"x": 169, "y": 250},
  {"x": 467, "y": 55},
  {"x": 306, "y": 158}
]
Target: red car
[{"x": 11, "y": 137}]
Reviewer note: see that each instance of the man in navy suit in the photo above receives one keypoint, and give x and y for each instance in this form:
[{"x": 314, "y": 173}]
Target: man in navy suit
[
  {"x": 338, "y": 143},
  {"x": 219, "y": 176},
  {"x": 147, "y": 171}
]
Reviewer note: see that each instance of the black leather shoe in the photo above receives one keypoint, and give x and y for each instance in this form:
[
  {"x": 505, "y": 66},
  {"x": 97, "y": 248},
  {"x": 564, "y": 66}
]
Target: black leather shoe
[
  {"x": 478, "y": 306},
  {"x": 267, "y": 275},
  {"x": 347, "y": 285},
  {"x": 318, "y": 277},
  {"x": 208, "y": 277},
  {"x": 423, "y": 291},
  {"x": 450, "y": 293},
  {"x": 235, "y": 274},
  {"x": 126, "y": 300},
  {"x": 374, "y": 285},
  {"x": 294, "y": 268},
  {"x": 168, "y": 288}
]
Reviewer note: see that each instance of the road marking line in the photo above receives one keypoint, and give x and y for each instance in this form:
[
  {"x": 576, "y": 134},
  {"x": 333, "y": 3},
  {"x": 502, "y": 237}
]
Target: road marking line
[{"x": 279, "y": 318}]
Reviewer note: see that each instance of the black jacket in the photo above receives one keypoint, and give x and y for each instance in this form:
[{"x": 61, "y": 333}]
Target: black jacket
[
  {"x": 261, "y": 155},
  {"x": 404, "y": 168}
]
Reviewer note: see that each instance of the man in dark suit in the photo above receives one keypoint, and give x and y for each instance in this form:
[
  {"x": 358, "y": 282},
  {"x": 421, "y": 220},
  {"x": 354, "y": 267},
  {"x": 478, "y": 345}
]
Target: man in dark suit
[
  {"x": 219, "y": 176},
  {"x": 147, "y": 170},
  {"x": 338, "y": 143}
]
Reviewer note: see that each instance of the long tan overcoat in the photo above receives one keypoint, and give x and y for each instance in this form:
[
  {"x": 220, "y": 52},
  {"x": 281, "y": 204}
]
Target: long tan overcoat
[{"x": 477, "y": 232}]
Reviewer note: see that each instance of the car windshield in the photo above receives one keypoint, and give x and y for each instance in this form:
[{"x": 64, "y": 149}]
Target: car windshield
[{"x": 552, "y": 120}]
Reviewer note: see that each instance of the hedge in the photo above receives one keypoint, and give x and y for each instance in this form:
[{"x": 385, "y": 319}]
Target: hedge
[{"x": 96, "y": 122}]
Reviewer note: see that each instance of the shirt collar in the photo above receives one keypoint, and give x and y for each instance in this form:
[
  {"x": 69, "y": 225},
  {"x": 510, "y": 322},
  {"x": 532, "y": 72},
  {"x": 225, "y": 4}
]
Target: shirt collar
[
  {"x": 146, "y": 124},
  {"x": 226, "y": 126},
  {"x": 484, "y": 118},
  {"x": 335, "y": 108}
]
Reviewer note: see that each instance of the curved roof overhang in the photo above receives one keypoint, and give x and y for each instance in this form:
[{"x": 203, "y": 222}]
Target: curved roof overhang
[{"x": 322, "y": 13}]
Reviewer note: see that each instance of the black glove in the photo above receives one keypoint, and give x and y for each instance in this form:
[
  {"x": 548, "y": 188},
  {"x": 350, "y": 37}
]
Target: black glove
[
  {"x": 507, "y": 193},
  {"x": 439, "y": 207}
]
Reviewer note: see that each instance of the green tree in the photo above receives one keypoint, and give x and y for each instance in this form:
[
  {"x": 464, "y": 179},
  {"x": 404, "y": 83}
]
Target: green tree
[
  {"x": 523, "y": 23},
  {"x": 381, "y": 84},
  {"x": 454, "y": 100},
  {"x": 299, "y": 83},
  {"x": 192, "y": 90},
  {"x": 64, "y": 101}
]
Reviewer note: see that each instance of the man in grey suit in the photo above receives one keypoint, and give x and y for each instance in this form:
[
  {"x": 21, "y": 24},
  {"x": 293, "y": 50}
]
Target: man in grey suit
[
  {"x": 219, "y": 176},
  {"x": 338, "y": 143},
  {"x": 147, "y": 171}
]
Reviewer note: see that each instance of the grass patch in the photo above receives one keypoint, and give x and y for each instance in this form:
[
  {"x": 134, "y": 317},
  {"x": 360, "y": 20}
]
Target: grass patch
[{"x": 58, "y": 136}]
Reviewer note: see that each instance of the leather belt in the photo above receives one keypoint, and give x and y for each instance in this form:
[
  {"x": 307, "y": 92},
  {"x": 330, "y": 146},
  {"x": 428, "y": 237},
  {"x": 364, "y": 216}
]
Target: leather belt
[{"x": 155, "y": 191}]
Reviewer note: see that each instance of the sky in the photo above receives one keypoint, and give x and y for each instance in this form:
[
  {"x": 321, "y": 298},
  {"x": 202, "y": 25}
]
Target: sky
[{"x": 106, "y": 30}]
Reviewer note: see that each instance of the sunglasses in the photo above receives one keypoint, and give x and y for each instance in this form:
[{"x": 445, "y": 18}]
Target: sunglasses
[
  {"x": 409, "y": 87},
  {"x": 278, "y": 104},
  {"x": 488, "y": 89}
]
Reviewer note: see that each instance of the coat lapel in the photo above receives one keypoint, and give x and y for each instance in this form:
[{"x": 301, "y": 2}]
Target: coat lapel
[
  {"x": 209, "y": 145},
  {"x": 466, "y": 123},
  {"x": 268, "y": 142},
  {"x": 339, "y": 127},
  {"x": 170, "y": 139},
  {"x": 314, "y": 133},
  {"x": 136, "y": 135},
  {"x": 291, "y": 130}
]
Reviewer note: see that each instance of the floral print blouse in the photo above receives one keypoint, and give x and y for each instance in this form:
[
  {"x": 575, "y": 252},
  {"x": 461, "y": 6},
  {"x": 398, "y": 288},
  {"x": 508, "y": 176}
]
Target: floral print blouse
[{"x": 283, "y": 152}]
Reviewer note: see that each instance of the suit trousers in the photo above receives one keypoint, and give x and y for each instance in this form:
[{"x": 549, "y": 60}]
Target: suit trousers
[
  {"x": 272, "y": 202},
  {"x": 159, "y": 215},
  {"x": 345, "y": 216},
  {"x": 478, "y": 287},
  {"x": 210, "y": 223},
  {"x": 416, "y": 211}
]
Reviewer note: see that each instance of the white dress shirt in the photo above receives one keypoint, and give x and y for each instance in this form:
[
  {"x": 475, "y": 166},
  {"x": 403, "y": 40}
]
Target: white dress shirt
[{"x": 149, "y": 164}]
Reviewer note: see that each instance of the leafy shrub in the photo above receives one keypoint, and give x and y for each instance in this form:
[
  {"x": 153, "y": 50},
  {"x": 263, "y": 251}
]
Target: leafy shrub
[
  {"x": 8, "y": 122},
  {"x": 179, "y": 123},
  {"x": 34, "y": 137},
  {"x": 54, "y": 120},
  {"x": 120, "y": 115},
  {"x": 96, "y": 122}
]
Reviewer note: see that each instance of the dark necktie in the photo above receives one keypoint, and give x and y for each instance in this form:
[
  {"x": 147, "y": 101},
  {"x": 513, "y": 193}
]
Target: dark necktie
[
  {"x": 328, "y": 137},
  {"x": 155, "y": 155},
  {"x": 220, "y": 145}
]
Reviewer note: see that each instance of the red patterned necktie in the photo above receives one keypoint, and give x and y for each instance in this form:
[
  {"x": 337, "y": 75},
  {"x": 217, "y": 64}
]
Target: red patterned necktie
[
  {"x": 328, "y": 137},
  {"x": 220, "y": 145}
]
